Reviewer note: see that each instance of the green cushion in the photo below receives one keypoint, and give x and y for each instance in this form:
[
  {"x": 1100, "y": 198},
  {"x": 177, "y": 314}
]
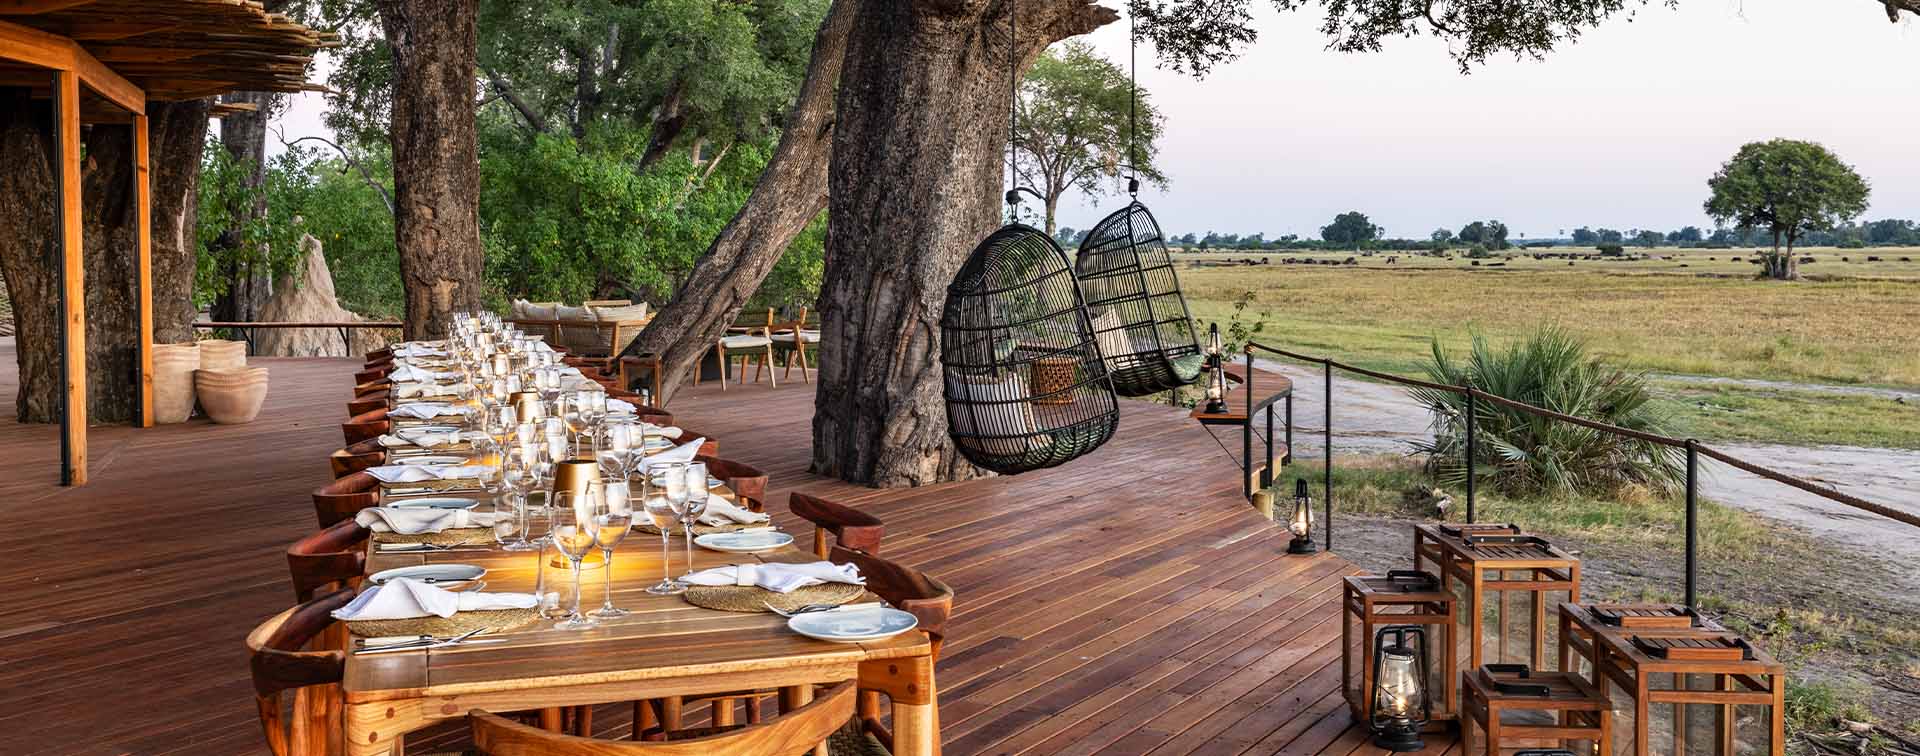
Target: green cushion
[{"x": 1188, "y": 368}]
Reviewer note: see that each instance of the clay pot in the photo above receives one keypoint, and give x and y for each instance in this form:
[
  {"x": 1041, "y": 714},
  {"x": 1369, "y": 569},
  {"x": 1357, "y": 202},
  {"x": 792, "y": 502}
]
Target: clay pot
[
  {"x": 173, "y": 366},
  {"x": 220, "y": 354},
  {"x": 231, "y": 396}
]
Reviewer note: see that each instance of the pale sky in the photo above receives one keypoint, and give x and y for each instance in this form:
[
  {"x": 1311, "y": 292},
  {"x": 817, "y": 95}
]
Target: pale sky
[{"x": 1621, "y": 129}]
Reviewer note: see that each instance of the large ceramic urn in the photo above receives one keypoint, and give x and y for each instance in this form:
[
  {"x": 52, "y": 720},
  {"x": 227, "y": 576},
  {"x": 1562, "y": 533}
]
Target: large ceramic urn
[
  {"x": 231, "y": 396},
  {"x": 220, "y": 354},
  {"x": 173, "y": 366}
]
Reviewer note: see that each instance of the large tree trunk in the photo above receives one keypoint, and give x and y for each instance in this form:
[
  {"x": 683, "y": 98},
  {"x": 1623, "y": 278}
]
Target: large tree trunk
[
  {"x": 176, "y": 138},
  {"x": 915, "y": 184},
  {"x": 244, "y": 135},
  {"x": 436, "y": 159},
  {"x": 30, "y": 251},
  {"x": 789, "y": 194},
  {"x": 109, "y": 235}
]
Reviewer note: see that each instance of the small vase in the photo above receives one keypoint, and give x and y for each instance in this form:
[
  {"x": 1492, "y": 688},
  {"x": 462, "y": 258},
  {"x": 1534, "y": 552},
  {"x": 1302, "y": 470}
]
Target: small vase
[
  {"x": 231, "y": 396},
  {"x": 173, "y": 367}
]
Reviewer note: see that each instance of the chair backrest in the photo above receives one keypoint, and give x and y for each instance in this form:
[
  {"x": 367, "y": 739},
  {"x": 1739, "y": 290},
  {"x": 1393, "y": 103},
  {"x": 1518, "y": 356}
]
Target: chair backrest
[
  {"x": 341, "y": 499},
  {"x": 802, "y": 320},
  {"x": 376, "y": 386},
  {"x": 607, "y": 303},
  {"x": 331, "y": 557},
  {"x": 755, "y": 317},
  {"x": 363, "y": 404},
  {"x": 791, "y": 733},
  {"x": 366, "y": 425},
  {"x": 356, "y": 457},
  {"x": 383, "y": 354},
  {"x": 372, "y": 373},
  {"x": 850, "y": 527},
  {"x": 911, "y": 590},
  {"x": 280, "y": 661},
  {"x": 749, "y": 483}
]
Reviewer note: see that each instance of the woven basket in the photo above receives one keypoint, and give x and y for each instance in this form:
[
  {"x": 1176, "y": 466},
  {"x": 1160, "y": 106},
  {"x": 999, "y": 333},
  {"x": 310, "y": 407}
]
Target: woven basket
[{"x": 1053, "y": 374}]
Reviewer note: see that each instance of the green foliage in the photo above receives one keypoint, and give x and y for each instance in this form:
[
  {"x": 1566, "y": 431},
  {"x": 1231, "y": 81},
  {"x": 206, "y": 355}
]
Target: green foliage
[
  {"x": 1491, "y": 233},
  {"x": 1787, "y": 188},
  {"x": 1074, "y": 128},
  {"x": 231, "y": 236},
  {"x": 1611, "y": 250},
  {"x": 1352, "y": 227},
  {"x": 355, "y": 228},
  {"x": 1478, "y": 252},
  {"x": 1519, "y": 452}
]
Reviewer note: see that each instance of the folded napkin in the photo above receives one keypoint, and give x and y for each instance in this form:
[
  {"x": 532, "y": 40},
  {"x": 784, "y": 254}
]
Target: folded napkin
[
  {"x": 405, "y": 373},
  {"x": 722, "y": 512},
  {"x": 415, "y": 520},
  {"x": 421, "y": 390},
  {"x": 778, "y": 577},
  {"x": 668, "y": 431},
  {"x": 420, "y": 349},
  {"x": 420, "y": 473},
  {"x": 422, "y": 440},
  {"x": 406, "y": 598},
  {"x": 426, "y": 410},
  {"x": 620, "y": 405},
  {"x": 682, "y": 453}
]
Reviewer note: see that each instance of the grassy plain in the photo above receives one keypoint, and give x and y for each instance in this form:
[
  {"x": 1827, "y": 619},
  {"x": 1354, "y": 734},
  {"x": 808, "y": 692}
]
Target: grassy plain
[{"x": 1695, "y": 312}]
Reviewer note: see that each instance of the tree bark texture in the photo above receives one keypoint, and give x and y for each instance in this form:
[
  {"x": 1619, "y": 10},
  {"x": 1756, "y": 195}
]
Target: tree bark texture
[
  {"x": 244, "y": 135},
  {"x": 31, "y": 261},
  {"x": 176, "y": 138},
  {"x": 436, "y": 159},
  {"x": 916, "y": 181},
  {"x": 788, "y": 195}
]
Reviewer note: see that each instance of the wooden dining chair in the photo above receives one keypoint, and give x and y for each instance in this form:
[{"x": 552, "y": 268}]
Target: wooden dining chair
[
  {"x": 850, "y": 527},
  {"x": 375, "y": 386},
  {"x": 790, "y": 733},
  {"x": 372, "y": 373},
  {"x": 282, "y": 661},
  {"x": 365, "y": 425},
  {"x": 751, "y": 340},
  {"x": 356, "y": 457},
  {"x": 331, "y": 558},
  {"x": 749, "y": 484},
  {"x": 364, "y": 404},
  {"x": 342, "y": 499},
  {"x": 791, "y": 340},
  {"x": 379, "y": 355},
  {"x": 911, "y": 591}
]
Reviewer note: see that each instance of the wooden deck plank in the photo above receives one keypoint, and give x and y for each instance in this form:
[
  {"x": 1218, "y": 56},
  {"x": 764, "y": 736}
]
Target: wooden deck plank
[{"x": 1127, "y": 603}]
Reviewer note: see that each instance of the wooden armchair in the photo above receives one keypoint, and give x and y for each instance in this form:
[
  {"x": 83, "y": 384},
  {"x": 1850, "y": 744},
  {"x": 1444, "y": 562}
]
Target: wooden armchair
[
  {"x": 751, "y": 339},
  {"x": 366, "y": 425},
  {"x": 749, "y": 484},
  {"x": 632, "y": 367},
  {"x": 910, "y": 591},
  {"x": 364, "y": 404},
  {"x": 850, "y": 527},
  {"x": 372, "y": 374},
  {"x": 792, "y": 339},
  {"x": 357, "y": 457},
  {"x": 791, "y": 733},
  {"x": 329, "y": 559},
  {"x": 338, "y": 501},
  {"x": 281, "y": 661}
]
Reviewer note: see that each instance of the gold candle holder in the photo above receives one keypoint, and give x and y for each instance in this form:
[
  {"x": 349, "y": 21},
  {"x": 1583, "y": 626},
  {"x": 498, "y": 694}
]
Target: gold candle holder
[
  {"x": 571, "y": 475},
  {"x": 526, "y": 406}
]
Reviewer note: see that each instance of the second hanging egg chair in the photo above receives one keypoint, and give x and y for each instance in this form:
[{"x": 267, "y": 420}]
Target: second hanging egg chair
[{"x": 1026, "y": 387}]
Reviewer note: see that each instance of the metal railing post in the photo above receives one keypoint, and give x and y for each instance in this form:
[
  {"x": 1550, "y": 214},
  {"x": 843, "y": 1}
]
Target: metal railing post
[
  {"x": 1693, "y": 525},
  {"x": 1246, "y": 428},
  {"x": 1326, "y": 494},
  {"x": 1470, "y": 453},
  {"x": 1266, "y": 477},
  {"x": 1288, "y": 457}
]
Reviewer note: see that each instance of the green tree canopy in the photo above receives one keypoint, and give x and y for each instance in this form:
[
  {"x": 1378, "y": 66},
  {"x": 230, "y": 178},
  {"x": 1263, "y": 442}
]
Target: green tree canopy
[
  {"x": 1082, "y": 121},
  {"x": 1787, "y": 188},
  {"x": 1351, "y": 227}
]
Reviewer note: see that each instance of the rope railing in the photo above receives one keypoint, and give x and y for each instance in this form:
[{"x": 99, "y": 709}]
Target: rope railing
[{"x": 1692, "y": 448}]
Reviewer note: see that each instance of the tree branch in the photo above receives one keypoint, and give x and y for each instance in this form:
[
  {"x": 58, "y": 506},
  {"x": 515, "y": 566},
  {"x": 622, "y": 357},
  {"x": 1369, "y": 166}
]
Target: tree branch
[
  {"x": 385, "y": 198},
  {"x": 534, "y": 120}
]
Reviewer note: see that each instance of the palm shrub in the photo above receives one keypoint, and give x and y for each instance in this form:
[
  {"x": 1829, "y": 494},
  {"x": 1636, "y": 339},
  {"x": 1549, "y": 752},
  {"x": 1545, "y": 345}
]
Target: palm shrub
[{"x": 1521, "y": 453}]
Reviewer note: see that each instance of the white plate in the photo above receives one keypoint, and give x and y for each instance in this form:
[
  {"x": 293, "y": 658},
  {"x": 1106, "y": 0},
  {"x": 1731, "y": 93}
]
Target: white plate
[
  {"x": 854, "y": 626},
  {"x": 409, "y": 432},
  {"x": 659, "y": 480},
  {"x": 441, "y": 575},
  {"x": 430, "y": 459},
  {"x": 436, "y": 502},
  {"x": 743, "y": 543}
]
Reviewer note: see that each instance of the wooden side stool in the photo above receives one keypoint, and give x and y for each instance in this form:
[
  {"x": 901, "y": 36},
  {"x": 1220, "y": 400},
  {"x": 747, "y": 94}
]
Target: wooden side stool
[
  {"x": 1513, "y": 707},
  {"x": 1401, "y": 597}
]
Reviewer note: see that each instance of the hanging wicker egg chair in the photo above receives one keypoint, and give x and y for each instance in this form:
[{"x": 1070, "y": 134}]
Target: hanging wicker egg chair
[
  {"x": 1133, "y": 298},
  {"x": 1026, "y": 387}
]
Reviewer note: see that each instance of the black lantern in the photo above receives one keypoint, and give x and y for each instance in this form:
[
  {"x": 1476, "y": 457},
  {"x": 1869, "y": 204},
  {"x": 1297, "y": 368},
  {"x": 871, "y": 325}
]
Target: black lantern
[
  {"x": 1216, "y": 374},
  {"x": 1301, "y": 524},
  {"x": 1400, "y": 705}
]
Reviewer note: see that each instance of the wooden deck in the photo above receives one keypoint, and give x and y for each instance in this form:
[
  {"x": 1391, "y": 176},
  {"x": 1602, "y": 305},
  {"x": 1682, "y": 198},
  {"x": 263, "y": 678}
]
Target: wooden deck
[{"x": 1128, "y": 602}]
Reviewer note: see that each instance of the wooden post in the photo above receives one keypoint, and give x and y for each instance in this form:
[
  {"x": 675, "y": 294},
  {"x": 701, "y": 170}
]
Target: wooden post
[
  {"x": 73, "y": 293},
  {"x": 143, "y": 297}
]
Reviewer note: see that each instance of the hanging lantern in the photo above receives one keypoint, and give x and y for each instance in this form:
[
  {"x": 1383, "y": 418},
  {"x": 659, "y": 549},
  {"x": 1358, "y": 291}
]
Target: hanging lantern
[
  {"x": 1301, "y": 524},
  {"x": 1216, "y": 375},
  {"x": 1400, "y": 706},
  {"x": 1213, "y": 342}
]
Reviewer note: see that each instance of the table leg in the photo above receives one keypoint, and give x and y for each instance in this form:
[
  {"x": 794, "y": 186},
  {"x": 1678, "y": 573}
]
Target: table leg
[
  {"x": 378, "y": 729},
  {"x": 916, "y": 715}
]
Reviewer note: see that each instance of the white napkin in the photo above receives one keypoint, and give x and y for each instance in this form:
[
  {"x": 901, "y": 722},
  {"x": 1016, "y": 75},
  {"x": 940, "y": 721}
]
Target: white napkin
[
  {"x": 682, "y": 453},
  {"x": 620, "y": 405},
  {"x": 426, "y": 410},
  {"x": 420, "y": 349},
  {"x": 541, "y": 346},
  {"x": 404, "y": 373},
  {"x": 418, "y": 473},
  {"x": 421, "y": 439},
  {"x": 420, "y": 390},
  {"x": 406, "y": 598},
  {"x": 669, "y": 431},
  {"x": 779, "y": 577},
  {"x": 415, "y": 520},
  {"x": 722, "y": 512}
]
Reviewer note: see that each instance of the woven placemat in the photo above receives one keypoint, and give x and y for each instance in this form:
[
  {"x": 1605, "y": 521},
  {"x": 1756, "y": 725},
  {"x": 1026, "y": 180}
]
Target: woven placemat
[
  {"x": 494, "y": 620},
  {"x": 456, "y": 484},
  {"x": 699, "y": 528},
  {"x": 750, "y": 598},
  {"x": 445, "y": 537}
]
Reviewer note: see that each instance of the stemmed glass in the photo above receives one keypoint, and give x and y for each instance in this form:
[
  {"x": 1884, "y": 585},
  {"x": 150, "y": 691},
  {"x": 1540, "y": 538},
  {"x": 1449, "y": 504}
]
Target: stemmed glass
[
  {"x": 590, "y": 407},
  {"x": 540, "y": 530},
  {"x": 615, "y": 461},
  {"x": 612, "y": 518},
  {"x": 664, "y": 510},
  {"x": 518, "y": 471},
  {"x": 573, "y": 538},
  {"x": 500, "y": 423},
  {"x": 694, "y": 480}
]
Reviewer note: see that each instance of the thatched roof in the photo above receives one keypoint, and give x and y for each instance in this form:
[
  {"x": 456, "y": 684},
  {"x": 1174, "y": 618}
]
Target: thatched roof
[{"x": 179, "y": 49}]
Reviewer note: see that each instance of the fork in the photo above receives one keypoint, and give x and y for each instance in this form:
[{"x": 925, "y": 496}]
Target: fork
[
  {"x": 423, "y": 642},
  {"x": 811, "y": 608}
]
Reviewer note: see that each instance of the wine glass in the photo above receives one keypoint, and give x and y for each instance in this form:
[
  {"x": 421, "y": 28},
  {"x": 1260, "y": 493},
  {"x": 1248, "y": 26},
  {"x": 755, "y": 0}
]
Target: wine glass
[
  {"x": 612, "y": 517},
  {"x": 694, "y": 480},
  {"x": 618, "y": 457},
  {"x": 573, "y": 537},
  {"x": 664, "y": 511},
  {"x": 501, "y": 422},
  {"x": 540, "y": 534},
  {"x": 589, "y": 408},
  {"x": 517, "y": 471}
]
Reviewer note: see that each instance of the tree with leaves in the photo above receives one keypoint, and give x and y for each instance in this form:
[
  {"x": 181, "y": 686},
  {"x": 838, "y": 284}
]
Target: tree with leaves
[
  {"x": 1082, "y": 124},
  {"x": 1787, "y": 188},
  {"x": 1351, "y": 227}
]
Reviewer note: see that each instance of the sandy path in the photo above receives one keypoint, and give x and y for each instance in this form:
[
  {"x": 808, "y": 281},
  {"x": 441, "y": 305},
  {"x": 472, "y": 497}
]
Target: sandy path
[{"x": 1377, "y": 418}]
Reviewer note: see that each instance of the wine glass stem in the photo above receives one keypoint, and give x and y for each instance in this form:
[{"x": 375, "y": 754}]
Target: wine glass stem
[
  {"x": 576, "y": 587},
  {"x": 689, "y": 524},
  {"x": 666, "y": 557},
  {"x": 606, "y": 571},
  {"x": 540, "y": 573}
]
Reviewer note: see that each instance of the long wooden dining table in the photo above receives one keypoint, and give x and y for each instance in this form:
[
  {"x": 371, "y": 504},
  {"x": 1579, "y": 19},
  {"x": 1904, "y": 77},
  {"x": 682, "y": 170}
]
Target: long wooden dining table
[{"x": 665, "y": 647}]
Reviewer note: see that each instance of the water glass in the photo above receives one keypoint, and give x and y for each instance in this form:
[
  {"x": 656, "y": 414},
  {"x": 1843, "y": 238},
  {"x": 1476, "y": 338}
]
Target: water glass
[
  {"x": 573, "y": 537},
  {"x": 664, "y": 506},
  {"x": 612, "y": 518},
  {"x": 694, "y": 480}
]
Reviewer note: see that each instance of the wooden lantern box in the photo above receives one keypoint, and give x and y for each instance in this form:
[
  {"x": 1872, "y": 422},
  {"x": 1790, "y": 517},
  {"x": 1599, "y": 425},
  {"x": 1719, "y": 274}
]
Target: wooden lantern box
[
  {"x": 1491, "y": 569},
  {"x": 1401, "y": 597},
  {"x": 1507, "y": 707},
  {"x": 1680, "y": 685}
]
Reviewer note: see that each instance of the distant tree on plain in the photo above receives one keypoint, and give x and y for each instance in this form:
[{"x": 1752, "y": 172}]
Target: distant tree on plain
[
  {"x": 1441, "y": 235},
  {"x": 1609, "y": 236},
  {"x": 1351, "y": 227},
  {"x": 1074, "y": 128},
  {"x": 1687, "y": 235},
  {"x": 1491, "y": 234},
  {"x": 1584, "y": 236},
  {"x": 1649, "y": 238},
  {"x": 1787, "y": 188}
]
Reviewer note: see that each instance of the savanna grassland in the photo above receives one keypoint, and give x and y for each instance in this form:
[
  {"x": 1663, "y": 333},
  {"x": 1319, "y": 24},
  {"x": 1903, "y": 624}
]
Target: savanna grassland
[{"x": 1694, "y": 313}]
